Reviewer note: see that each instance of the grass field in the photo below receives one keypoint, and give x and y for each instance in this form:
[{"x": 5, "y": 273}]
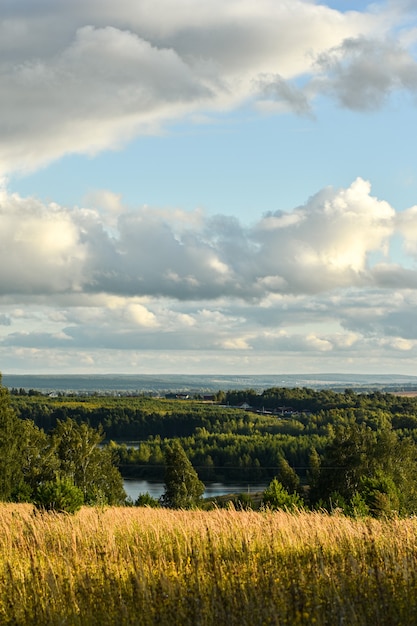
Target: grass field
[{"x": 154, "y": 566}]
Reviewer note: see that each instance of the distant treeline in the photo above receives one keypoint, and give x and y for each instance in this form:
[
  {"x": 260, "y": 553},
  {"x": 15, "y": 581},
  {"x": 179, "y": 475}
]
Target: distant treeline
[{"x": 222, "y": 441}]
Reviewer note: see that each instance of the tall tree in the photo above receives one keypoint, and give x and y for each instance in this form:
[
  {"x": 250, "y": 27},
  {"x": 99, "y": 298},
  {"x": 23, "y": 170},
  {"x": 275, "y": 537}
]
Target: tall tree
[
  {"x": 287, "y": 476},
  {"x": 313, "y": 474},
  {"x": 276, "y": 496},
  {"x": 89, "y": 466},
  {"x": 11, "y": 432},
  {"x": 346, "y": 460},
  {"x": 39, "y": 460},
  {"x": 183, "y": 488},
  {"x": 377, "y": 466}
]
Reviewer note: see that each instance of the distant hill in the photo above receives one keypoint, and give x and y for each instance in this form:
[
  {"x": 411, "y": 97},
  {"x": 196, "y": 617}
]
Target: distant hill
[{"x": 184, "y": 383}]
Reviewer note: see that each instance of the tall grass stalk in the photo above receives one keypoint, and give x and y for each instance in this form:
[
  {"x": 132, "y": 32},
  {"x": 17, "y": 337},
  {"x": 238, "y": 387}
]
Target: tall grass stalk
[{"x": 152, "y": 566}]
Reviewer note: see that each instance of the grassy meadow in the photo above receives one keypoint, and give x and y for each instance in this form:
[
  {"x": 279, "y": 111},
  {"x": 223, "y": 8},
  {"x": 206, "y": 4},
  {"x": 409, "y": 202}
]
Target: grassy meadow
[{"x": 164, "y": 567}]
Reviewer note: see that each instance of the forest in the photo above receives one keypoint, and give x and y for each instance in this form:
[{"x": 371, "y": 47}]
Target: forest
[{"x": 355, "y": 451}]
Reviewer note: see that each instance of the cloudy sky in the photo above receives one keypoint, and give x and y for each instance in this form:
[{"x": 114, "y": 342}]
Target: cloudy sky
[{"x": 195, "y": 186}]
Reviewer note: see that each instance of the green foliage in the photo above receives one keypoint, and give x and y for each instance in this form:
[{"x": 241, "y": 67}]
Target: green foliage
[
  {"x": 11, "y": 475},
  {"x": 89, "y": 466},
  {"x": 276, "y": 496},
  {"x": 337, "y": 446},
  {"x": 358, "y": 507},
  {"x": 239, "y": 502},
  {"x": 287, "y": 476},
  {"x": 313, "y": 474},
  {"x": 380, "y": 495},
  {"x": 366, "y": 470},
  {"x": 59, "y": 495},
  {"x": 39, "y": 461},
  {"x": 145, "y": 499},
  {"x": 39, "y": 466},
  {"x": 183, "y": 489},
  {"x": 345, "y": 461}
]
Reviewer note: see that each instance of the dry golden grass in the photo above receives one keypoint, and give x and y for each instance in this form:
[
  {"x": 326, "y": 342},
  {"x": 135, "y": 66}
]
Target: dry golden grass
[{"x": 153, "y": 566}]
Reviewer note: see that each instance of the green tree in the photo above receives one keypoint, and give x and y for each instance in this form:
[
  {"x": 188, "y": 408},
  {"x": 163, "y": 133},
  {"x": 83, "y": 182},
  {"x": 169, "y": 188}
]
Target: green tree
[
  {"x": 287, "y": 476},
  {"x": 145, "y": 499},
  {"x": 313, "y": 474},
  {"x": 59, "y": 495},
  {"x": 376, "y": 467},
  {"x": 276, "y": 496},
  {"x": 90, "y": 467},
  {"x": 346, "y": 460},
  {"x": 11, "y": 432},
  {"x": 183, "y": 488},
  {"x": 39, "y": 461},
  {"x": 220, "y": 396},
  {"x": 380, "y": 495},
  {"x": 397, "y": 466}
]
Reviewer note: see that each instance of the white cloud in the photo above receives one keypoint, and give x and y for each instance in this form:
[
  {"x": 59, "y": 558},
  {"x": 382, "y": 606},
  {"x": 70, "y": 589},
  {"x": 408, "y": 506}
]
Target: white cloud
[
  {"x": 301, "y": 282},
  {"x": 105, "y": 87},
  {"x": 402, "y": 344},
  {"x": 328, "y": 242},
  {"x": 87, "y": 76},
  {"x": 105, "y": 285},
  {"x": 237, "y": 343},
  {"x": 406, "y": 224},
  {"x": 108, "y": 203},
  {"x": 318, "y": 343},
  {"x": 321, "y": 246},
  {"x": 41, "y": 250},
  {"x": 141, "y": 316}
]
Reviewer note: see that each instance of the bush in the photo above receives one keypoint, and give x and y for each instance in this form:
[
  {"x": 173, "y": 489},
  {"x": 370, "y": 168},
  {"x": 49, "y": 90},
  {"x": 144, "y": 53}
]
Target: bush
[
  {"x": 59, "y": 495},
  {"x": 145, "y": 499},
  {"x": 243, "y": 501},
  {"x": 276, "y": 497}
]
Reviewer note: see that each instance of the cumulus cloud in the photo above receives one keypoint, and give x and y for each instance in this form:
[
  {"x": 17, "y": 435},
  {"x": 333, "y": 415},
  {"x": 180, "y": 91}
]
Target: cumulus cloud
[
  {"x": 325, "y": 243},
  {"x": 85, "y": 76},
  {"x": 356, "y": 325},
  {"x": 406, "y": 224},
  {"x": 41, "y": 249},
  {"x": 339, "y": 238},
  {"x": 324, "y": 280},
  {"x": 107, "y": 85},
  {"x": 334, "y": 278}
]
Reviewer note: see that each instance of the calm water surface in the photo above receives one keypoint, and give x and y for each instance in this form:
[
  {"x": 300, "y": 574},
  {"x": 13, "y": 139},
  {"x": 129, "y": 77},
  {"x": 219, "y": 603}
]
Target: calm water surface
[{"x": 134, "y": 488}]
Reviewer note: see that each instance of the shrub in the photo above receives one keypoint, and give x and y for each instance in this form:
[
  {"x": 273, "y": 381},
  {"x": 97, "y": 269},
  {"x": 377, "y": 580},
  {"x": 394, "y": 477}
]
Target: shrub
[
  {"x": 276, "y": 497},
  {"x": 243, "y": 501},
  {"x": 59, "y": 495},
  {"x": 145, "y": 499}
]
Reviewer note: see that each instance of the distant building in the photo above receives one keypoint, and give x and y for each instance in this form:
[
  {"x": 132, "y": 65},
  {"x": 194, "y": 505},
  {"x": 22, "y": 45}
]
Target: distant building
[{"x": 177, "y": 396}]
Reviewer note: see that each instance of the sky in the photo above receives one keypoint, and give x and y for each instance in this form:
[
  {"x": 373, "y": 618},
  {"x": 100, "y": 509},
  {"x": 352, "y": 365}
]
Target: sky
[{"x": 202, "y": 187}]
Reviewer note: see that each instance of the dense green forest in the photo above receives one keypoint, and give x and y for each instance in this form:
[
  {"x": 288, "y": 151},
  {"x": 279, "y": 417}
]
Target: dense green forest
[
  {"x": 60, "y": 469},
  {"x": 325, "y": 447}
]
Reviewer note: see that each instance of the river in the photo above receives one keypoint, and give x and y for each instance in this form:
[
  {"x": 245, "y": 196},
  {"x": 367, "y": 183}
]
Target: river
[{"x": 155, "y": 489}]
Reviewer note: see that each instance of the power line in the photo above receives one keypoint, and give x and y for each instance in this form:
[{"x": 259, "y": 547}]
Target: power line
[{"x": 237, "y": 467}]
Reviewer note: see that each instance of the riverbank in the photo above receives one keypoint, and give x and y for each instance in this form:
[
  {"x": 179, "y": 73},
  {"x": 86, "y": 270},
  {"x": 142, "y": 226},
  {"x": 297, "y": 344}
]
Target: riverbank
[{"x": 155, "y": 489}]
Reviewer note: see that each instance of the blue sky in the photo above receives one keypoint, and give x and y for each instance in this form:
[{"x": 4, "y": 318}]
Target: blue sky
[{"x": 208, "y": 187}]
